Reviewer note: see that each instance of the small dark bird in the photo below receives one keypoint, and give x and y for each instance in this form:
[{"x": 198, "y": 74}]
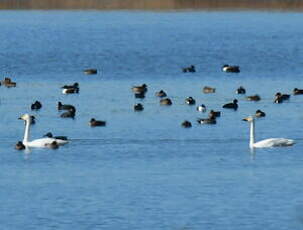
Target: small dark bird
[
  {"x": 165, "y": 101},
  {"x": 190, "y": 101},
  {"x": 210, "y": 120},
  {"x": 161, "y": 93},
  {"x": 95, "y": 123},
  {"x": 140, "y": 89},
  {"x": 8, "y": 82},
  {"x": 201, "y": 108},
  {"x": 260, "y": 113},
  {"x": 186, "y": 124},
  {"x": 138, "y": 107},
  {"x": 297, "y": 91},
  {"x": 33, "y": 119},
  {"x": 208, "y": 89},
  {"x": 253, "y": 98},
  {"x": 282, "y": 96},
  {"x": 213, "y": 113},
  {"x": 19, "y": 145},
  {"x": 190, "y": 69},
  {"x": 69, "y": 89},
  {"x": 278, "y": 98},
  {"x": 231, "y": 69},
  {"x": 36, "y": 106},
  {"x": 65, "y": 106},
  {"x": 240, "y": 90},
  {"x": 233, "y": 105},
  {"x": 73, "y": 86},
  {"x": 50, "y": 135},
  {"x": 90, "y": 71}
]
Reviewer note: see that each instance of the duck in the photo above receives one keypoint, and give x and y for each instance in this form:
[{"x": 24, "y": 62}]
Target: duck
[
  {"x": 278, "y": 99},
  {"x": 201, "y": 108},
  {"x": 282, "y": 96},
  {"x": 138, "y": 107},
  {"x": 255, "y": 97},
  {"x": 190, "y": 69},
  {"x": 211, "y": 120},
  {"x": 94, "y": 123},
  {"x": 166, "y": 101},
  {"x": 8, "y": 82},
  {"x": 186, "y": 124},
  {"x": 233, "y": 105},
  {"x": 38, "y": 143},
  {"x": 240, "y": 90},
  {"x": 49, "y": 134},
  {"x": 267, "y": 143},
  {"x": 90, "y": 71},
  {"x": 161, "y": 93},
  {"x": 231, "y": 69},
  {"x": 208, "y": 89},
  {"x": 65, "y": 106},
  {"x": 140, "y": 89},
  {"x": 260, "y": 113},
  {"x": 213, "y": 113},
  {"x": 70, "y": 89},
  {"x": 19, "y": 145},
  {"x": 190, "y": 101},
  {"x": 36, "y": 106},
  {"x": 33, "y": 120},
  {"x": 69, "y": 114},
  {"x": 297, "y": 91}
]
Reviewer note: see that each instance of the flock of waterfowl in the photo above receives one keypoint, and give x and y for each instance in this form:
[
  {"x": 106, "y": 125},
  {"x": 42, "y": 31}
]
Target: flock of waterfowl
[{"x": 69, "y": 111}]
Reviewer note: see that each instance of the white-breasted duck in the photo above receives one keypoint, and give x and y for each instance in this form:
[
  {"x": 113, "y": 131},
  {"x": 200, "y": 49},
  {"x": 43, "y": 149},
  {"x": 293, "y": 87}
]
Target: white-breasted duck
[
  {"x": 190, "y": 101},
  {"x": 201, "y": 108},
  {"x": 231, "y": 69}
]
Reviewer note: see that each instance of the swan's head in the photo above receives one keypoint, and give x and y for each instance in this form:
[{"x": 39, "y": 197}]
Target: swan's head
[
  {"x": 25, "y": 117},
  {"x": 248, "y": 119}
]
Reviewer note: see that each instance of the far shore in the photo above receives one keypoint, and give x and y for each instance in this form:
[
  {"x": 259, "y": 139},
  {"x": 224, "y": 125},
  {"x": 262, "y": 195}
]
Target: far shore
[{"x": 293, "y": 5}]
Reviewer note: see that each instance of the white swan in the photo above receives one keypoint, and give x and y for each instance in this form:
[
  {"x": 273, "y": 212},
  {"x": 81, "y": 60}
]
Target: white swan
[
  {"x": 38, "y": 143},
  {"x": 267, "y": 143}
]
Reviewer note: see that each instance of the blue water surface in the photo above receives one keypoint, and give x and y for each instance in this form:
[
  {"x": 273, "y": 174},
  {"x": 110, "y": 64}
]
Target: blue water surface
[{"x": 143, "y": 170}]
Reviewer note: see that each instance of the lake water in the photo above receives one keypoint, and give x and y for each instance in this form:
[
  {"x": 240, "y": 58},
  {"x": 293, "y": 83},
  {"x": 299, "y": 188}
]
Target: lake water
[{"x": 143, "y": 170}]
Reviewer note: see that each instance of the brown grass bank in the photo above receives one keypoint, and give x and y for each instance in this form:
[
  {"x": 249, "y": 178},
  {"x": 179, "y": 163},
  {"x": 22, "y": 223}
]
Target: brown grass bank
[{"x": 153, "y": 4}]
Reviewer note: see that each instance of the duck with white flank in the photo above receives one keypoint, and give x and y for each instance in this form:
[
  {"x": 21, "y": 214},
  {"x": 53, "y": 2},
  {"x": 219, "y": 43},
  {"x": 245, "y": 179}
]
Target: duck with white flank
[
  {"x": 231, "y": 69},
  {"x": 201, "y": 108},
  {"x": 190, "y": 101},
  {"x": 70, "y": 89},
  {"x": 260, "y": 113}
]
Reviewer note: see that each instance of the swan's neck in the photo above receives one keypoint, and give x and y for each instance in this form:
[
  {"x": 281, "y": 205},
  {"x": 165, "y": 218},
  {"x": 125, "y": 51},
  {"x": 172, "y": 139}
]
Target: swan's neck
[
  {"x": 252, "y": 134},
  {"x": 26, "y": 132}
]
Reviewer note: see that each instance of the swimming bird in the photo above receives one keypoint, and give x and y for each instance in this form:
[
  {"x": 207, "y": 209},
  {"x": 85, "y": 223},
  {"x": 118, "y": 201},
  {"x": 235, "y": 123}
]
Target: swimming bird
[
  {"x": 255, "y": 97},
  {"x": 267, "y": 143},
  {"x": 231, "y": 69},
  {"x": 140, "y": 89},
  {"x": 241, "y": 90},
  {"x": 69, "y": 89},
  {"x": 190, "y": 69},
  {"x": 260, "y": 113},
  {"x": 161, "y": 93},
  {"x": 208, "y": 89},
  {"x": 211, "y": 120},
  {"x": 19, "y": 145},
  {"x": 165, "y": 101},
  {"x": 65, "y": 106},
  {"x": 138, "y": 107},
  {"x": 49, "y": 134},
  {"x": 90, "y": 71},
  {"x": 186, "y": 124},
  {"x": 201, "y": 108},
  {"x": 213, "y": 113},
  {"x": 233, "y": 105},
  {"x": 297, "y": 91},
  {"x": 36, "y": 106},
  {"x": 33, "y": 120},
  {"x": 190, "y": 101},
  {"x": 279, "y": 98},
  {"x": 39, "y": 143},
  {"x": 8, "y": 82},
  {"x": 94, "y": 123}
]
